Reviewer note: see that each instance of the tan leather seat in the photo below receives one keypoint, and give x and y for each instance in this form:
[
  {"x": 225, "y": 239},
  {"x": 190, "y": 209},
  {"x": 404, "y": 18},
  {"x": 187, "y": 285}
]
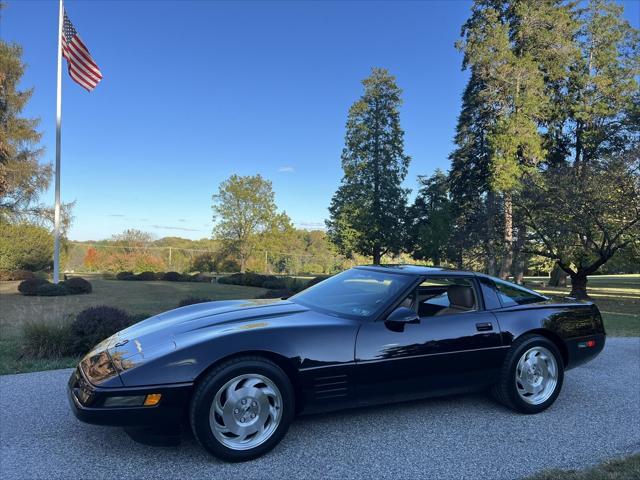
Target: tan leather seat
[{"x": 461, "y": 299}]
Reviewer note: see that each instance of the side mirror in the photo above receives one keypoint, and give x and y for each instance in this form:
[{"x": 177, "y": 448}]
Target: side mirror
[{"x": 403, "y": 315}]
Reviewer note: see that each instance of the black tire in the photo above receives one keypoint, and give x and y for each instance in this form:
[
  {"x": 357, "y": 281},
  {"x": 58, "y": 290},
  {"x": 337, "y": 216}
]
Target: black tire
[
  {"x": 506, "y": 391},
  {"x": 206, "y": 390}
]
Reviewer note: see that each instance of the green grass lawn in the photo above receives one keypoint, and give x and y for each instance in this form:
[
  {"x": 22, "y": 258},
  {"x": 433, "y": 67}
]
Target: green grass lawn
[
  {"x": 619, "y": 469},
  {"x": 617, "y": 297},
  {"x": 136, "y": 297}
]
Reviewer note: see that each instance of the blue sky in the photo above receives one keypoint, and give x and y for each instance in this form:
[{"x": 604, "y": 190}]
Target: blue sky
[{"x": 195, "y": 91}]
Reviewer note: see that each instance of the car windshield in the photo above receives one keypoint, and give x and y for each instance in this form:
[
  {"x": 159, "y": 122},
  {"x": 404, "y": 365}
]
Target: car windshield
[{"x": 355, "y": 293}]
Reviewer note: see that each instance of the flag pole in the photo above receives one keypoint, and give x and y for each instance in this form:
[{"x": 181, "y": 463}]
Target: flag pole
[{"x": 56, "y": 227}]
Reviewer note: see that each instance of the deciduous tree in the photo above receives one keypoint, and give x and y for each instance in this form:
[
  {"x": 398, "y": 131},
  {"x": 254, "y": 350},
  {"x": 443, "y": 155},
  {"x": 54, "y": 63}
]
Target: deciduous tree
[
  {"x": 581, "y": 217},
  {"x": 243, "y": 207}
]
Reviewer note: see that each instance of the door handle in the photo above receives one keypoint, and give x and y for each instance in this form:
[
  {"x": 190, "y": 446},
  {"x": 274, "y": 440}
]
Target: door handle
[{"x": 484, "y": 326}]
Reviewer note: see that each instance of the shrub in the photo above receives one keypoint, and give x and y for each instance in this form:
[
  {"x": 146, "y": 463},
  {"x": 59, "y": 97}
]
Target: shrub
[
  {"x": 192, "y": 301},
  {"x": 43, "y": 288},
  {"x": 25, "y": 247},
  {"x": 76, "y": 285},
  {"x": 201, "y": 277},
  {"x": 175, "y": 277},
  {"x": 145, "y": 276},
  {"x": 94, "y": 324},
  {"x": 253, "y": 280},
  {"x": 49, "y": 289},
  {"x": 31, "y": 286},
  {"x": 43, "y": 339},
  {"x": 203, "y": 262},
  {"x": 124, "y": 275},
  {"x": 12, "y": 275}
]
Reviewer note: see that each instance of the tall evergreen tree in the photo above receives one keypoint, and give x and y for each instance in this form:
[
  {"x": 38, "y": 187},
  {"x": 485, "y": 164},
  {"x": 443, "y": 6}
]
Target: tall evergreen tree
[
  {"x": 514, "y": 49},
  {"x": 368, "y": 209},
  {"x": 431, "y": 227},
  {"x": 473, "y": 202},
  {"x": 22, "y": 177}
]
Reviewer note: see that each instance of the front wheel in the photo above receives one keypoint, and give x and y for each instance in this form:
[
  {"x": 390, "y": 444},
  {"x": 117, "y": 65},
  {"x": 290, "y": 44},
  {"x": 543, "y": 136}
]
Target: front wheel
[
  {"x": 242, "y": 408},
  {"x": 532, "y": 375}
]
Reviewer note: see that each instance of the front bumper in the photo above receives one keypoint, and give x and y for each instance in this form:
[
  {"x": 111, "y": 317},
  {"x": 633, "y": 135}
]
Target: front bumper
[{"x": 87, "y": 403}]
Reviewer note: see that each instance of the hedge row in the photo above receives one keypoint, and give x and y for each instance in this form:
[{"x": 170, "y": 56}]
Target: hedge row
[
  {"x": 278, "y": 287},
  {"x": 164, "y": 276},
  {"x": 44, "y": 288}
]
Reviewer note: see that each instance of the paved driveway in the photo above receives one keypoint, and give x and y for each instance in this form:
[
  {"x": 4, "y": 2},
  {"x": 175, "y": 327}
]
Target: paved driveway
[{"x": 597, "y": 416}]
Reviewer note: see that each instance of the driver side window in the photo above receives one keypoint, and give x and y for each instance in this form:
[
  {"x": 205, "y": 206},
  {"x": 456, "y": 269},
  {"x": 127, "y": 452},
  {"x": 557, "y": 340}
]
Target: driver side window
[{"x": 445, "y": 296}]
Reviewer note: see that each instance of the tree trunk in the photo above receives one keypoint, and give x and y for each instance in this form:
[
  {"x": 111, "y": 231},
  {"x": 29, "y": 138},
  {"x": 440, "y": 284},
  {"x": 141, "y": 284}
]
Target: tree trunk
[
  {"x": 557, "y": 277},
  {"x": 492, "y": 267},
  {"x": 376, "y": 255},
  {"x": 507, "y": 260},
  {"x": 579, "y": 285},
  {"x": 521, "y": 258},
  {"x": 243, "y": 264}
]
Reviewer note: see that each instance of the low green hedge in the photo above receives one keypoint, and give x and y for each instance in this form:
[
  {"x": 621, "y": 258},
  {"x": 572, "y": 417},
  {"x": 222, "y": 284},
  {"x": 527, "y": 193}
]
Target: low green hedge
[
  {"x": 253, "y": 280},
  {"x": 44, "y": 288},
  {"x": 164, "y": 276},
  {"x": 271, "y": 282}
]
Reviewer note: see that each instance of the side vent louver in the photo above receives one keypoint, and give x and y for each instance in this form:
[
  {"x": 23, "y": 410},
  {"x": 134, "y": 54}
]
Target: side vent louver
[{"x": 331, "y": 387}]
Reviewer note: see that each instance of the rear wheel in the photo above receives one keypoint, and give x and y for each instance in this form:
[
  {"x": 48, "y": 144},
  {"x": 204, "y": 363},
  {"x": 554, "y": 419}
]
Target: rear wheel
[
  {"x": 242, "y": 408},
  {"x": 532, "y": 375}
]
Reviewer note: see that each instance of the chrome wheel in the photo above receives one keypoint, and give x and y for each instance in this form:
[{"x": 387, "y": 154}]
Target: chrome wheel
[
  {"x": 246, "y": 411},
  {"x": 536, "y": 375}
]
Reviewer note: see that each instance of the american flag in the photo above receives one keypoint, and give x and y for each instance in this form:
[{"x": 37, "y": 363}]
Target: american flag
[{"x": 81, "y": 66}]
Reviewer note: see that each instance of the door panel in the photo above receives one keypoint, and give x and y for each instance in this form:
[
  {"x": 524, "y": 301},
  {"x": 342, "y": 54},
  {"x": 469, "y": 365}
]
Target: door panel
[{"x": 439, "y": 354}]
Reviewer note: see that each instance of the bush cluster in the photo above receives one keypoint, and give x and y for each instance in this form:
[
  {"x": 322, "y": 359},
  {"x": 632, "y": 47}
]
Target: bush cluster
[
  {"x": 77, "y": 285},
  {"x": 278, "y": 287},
  {"x": 251, "y": 279},
  {"x": 94, "y": 324},
  {"x": 164, "y": 276},
  {"x": 44, "y": 288},
  {"x": 175, "y": 277}
]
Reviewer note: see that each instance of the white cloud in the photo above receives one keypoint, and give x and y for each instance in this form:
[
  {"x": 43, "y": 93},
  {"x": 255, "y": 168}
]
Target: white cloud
[
  {"x": 286, "y": 169},
  {"x": 169, "y": 227},
  {"x": 308, "y": 225}
]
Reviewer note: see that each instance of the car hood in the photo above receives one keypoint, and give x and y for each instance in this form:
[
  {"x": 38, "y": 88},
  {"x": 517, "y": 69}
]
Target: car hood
[{"x": 163, "y": 333}]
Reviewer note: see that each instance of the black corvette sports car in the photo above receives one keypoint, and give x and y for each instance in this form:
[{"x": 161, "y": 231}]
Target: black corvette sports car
[{"x": 240, "y": 371}]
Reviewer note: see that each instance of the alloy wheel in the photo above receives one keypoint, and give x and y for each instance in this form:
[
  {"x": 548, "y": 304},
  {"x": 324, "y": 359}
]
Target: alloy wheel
[
  {"x": 536, "y": 375},
  {"x": 246, "y": 411}
]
